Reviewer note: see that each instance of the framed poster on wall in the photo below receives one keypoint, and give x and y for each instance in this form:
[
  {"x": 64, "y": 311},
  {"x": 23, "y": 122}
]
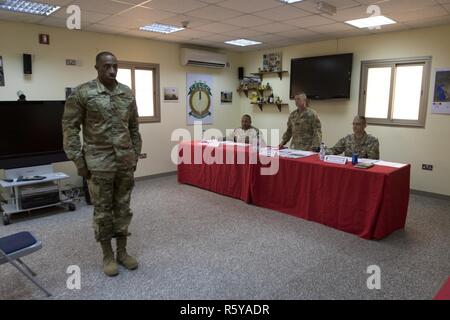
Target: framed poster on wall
[
  {"x": 441, "y": 91},
  {"x": 199, "y": 101}
]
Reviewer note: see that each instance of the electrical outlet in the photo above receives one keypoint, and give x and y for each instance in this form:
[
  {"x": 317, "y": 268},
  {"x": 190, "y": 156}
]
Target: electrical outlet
[
  {"x": 143, "y": 156},
  {"x": 71, "y": 62},
  {"x": 428, "y": 167}
]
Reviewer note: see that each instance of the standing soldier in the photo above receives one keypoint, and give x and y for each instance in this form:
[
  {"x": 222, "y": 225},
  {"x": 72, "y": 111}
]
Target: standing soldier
[
  {"x": 107, "y": 112},
  {"x": 303, "y": 127}
]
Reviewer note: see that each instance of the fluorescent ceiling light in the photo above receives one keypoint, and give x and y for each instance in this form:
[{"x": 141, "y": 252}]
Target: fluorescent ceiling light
[
  {"x": 290, "y": 1},
  {"x": 371, "y": 22},
  {"x": 37, "y": 8},
  {"x": 161, "y": 28},
  {"x": 243, "y": 42}
]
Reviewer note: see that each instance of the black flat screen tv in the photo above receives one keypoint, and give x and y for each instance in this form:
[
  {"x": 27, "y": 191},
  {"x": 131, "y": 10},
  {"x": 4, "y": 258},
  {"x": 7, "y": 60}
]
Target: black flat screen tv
[
  {"x": 325, "y": 77},
  {"x": 31, "y": 133}
]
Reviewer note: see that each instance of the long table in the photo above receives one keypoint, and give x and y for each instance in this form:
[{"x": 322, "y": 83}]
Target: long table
[{"x": 371, "y": 203}]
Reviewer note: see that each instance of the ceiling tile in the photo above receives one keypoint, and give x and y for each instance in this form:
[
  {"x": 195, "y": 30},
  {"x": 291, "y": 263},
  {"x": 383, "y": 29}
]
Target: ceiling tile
[
  {"x": 217, "y": 38},
  {"x": 342, "y": 4},
  {"x": 102, "y": 6},
  {"x": 358, "y": 12},
  {"x": 86, "y": 16},
  {"x": 310, "y": 21},
  {"x": 214, "y": 13},
  {"x": 244, "y": 33},
  {"x": 60, "y": 3},
  {"x": 146, "y": 14},
  {"x": 211, "y": 1},
  {"x": 399, "y": 6},
  {"x": 429, "y": 22},
  {"x": 217, "y": 27},
  {"x": 269, "y": 38},
  {"x": 143, "y": 34},
  {"x": 105, "y": 29},
  {"x": 282, "y": 13},
  {"x": 331, "y": 28},
  {"x": 178, "y": 20},
  {"x": 296, "y": 34},
  {"x": 176, "y": 6},
  {"x": 417, "y": 15},
  {"x": 275, "y": 27},
  {"x": 191, "y": 33},
  {"x": 247, "y": 21},
  {"x": 307, "y": 5},
  {"x": 389, "y": 28},
  {"x": 123, "y": 22},
  {"x": 250, "y": 6}
]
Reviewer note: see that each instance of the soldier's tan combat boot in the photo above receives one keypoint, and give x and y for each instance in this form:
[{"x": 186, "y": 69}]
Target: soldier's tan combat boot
[
  {"x": 110, "y": 267},
  {"x": 122, "y": 256}
]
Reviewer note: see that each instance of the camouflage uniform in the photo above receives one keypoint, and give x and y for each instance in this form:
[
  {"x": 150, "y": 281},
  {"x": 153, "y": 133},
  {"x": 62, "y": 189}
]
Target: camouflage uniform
[
  {"x": 305, "y": 129},
  {"x": 366, "y": 147},
  {"x": 110, "y": 151},
  {"x": 240, "y": 134},
  {"x": 1, "y": 200}
]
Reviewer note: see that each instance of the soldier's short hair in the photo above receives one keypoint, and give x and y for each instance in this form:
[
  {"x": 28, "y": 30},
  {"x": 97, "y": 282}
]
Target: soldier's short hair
[
  {"x": 362, "y": 118},
  {"x": 302, "y": 93},
  {"x": 102, "y": 54}
]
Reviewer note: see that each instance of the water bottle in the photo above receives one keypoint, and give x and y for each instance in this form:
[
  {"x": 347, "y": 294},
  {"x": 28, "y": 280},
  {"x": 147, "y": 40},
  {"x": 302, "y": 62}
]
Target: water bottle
[{"x": 322, "y": 153}]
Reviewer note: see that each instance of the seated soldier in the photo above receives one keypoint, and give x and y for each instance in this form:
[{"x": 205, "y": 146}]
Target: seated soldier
[
  {"x": 365, "y": 145},
  {"x": 246, "y": 133}
]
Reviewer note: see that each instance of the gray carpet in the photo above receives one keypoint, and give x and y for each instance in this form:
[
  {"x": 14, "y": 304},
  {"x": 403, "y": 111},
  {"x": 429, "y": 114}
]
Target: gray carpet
[{"x": 194, "y": 244}]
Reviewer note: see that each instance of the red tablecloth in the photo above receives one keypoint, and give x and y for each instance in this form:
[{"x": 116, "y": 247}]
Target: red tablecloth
[
  {"x": 371, "y": 203},
  {"x": 228, "y": 179},
  {"x": 444, "y": 293}
]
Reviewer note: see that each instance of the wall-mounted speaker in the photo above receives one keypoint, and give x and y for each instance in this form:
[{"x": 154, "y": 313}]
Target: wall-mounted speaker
[
  {"x": 241, "y": 73},
  {"x": 27, "y": 64}
]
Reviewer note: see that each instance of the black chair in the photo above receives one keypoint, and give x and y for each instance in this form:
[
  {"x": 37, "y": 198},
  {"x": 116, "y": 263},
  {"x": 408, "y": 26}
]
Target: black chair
[{"x": 16, "y": 246}]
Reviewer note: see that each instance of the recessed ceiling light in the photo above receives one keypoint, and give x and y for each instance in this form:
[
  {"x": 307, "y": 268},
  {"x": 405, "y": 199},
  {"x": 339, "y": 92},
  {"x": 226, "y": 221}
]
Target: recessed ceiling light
[
  {"x": 243, "y": 42},
  {"x": 37, "y": 8},
  {"x": 371, "y": 22},
  {"x": 161, "y": 28},
  {"x": 290, "y": 1}
]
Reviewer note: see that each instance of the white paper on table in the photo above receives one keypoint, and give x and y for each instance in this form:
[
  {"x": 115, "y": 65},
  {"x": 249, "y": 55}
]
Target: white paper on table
[
  {"x": 290, "y": 153},
  {"x": 269, "y": 152},
  {"x": 231, "y": 143},
  {"x": 364, "y": 160},
  {"x": 212, "y": 143},
  {"x": 390, "y": 164}
]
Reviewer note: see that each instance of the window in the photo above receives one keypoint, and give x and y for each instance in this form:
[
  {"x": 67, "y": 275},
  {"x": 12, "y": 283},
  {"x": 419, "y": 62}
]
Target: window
[
  {"x": 143, "y": 79},
  {"x": 395, "y": 92}
]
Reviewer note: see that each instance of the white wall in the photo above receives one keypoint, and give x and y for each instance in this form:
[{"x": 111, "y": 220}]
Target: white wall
[
  {"x": 51, "y": 76},
  {"x": 409, "y": 145}
]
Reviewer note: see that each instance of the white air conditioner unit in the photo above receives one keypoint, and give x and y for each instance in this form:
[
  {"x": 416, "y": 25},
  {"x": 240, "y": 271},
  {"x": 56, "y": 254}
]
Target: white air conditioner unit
[{"x": 202, "y": 58}]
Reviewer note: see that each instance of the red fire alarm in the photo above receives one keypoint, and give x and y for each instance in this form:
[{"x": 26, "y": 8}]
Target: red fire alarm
[{"x": 44, "y": 39}]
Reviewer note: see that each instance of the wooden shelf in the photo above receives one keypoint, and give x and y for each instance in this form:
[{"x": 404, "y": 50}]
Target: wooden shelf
[
  {"x": 246, "y": 91},
  {"x": 262, "y": 73},
  {"x": 260, "y": 105}
]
